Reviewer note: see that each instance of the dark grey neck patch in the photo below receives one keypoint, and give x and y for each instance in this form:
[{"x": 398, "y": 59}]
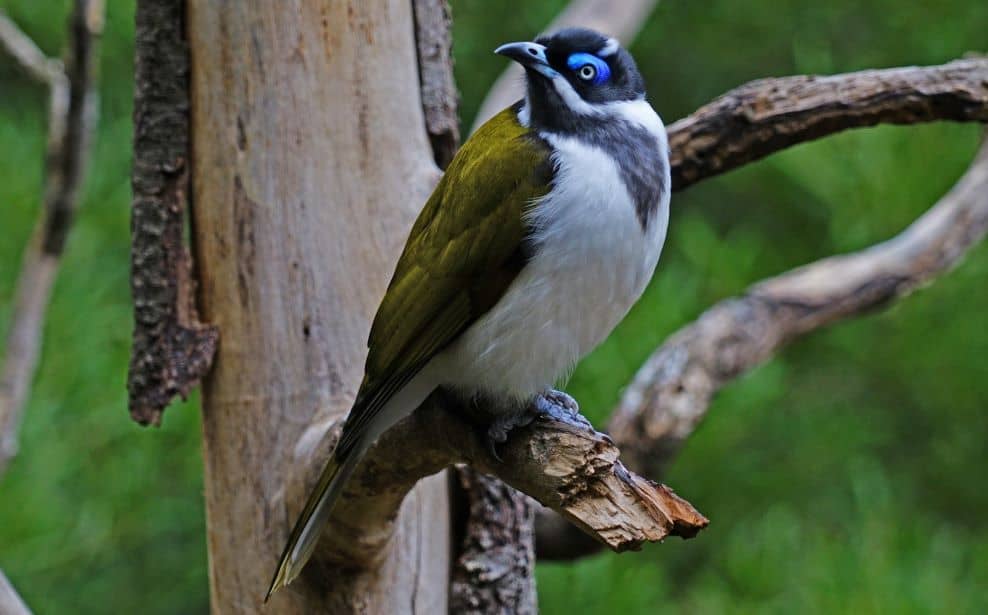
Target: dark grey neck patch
[{"x": 635, "y": 151}]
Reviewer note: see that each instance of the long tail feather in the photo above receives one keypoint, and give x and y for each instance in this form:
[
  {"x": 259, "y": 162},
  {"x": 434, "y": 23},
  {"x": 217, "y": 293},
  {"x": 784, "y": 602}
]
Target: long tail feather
[
  {"x": 357, "y": 438},
  {"x": 313, "y": 519}
]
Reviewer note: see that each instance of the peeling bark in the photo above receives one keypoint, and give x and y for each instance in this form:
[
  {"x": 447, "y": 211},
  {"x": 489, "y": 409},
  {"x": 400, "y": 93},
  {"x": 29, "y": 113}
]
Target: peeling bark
[
  {"x": 172, "y": 350},
  {"x": 434, "y": 41},
  {"x": 495, "y": 568}
]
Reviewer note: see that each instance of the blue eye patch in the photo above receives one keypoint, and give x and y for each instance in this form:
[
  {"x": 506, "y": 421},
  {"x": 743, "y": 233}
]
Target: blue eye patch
[{"x": 579, "y": 60}]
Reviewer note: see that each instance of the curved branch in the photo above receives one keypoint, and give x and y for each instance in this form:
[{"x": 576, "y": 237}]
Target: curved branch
[
  {"x": 671, "y": 392},
  {"x": 621, "y": 20},
  {"x": 72, "y": 116},
  {"x": 768, "y": 115}
]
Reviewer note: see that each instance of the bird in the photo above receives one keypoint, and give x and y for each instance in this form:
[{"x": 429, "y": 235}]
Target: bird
[{"x": 542, "y": 233}]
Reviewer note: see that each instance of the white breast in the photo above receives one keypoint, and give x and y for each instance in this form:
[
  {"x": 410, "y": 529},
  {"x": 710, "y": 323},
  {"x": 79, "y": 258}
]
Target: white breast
[{"x": 592, "y": 261}]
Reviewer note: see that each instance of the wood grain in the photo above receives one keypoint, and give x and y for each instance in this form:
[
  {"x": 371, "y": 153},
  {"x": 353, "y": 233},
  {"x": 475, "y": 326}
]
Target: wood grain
[{"x": 304, "y": 192}]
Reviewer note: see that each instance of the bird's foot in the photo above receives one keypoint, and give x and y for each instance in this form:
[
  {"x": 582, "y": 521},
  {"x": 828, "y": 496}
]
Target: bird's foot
[
  {"x": 554, "y": 404},
  {"x": 504, "y": 424}
]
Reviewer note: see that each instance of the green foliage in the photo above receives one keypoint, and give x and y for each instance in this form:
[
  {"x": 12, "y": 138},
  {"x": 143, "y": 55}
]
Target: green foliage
[{"x": 843, "y": 476}]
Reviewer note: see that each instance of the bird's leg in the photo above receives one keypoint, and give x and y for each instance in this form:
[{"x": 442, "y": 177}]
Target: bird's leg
[{"x": 552, "y": 403}]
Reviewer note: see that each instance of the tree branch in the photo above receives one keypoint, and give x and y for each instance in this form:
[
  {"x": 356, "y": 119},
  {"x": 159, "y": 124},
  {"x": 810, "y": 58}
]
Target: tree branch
[
  {"x": 34, "y": 61},
  {"x": 671, "y": 392},
  {"x": 768, "y": 115},
  {"x": 559, "y": 459},
  {"x": 71, "y": 122},
  {"x": 172, "y": 350},
  {"x": 621, "y": 20},
  {"x": 10, "y": 602}
]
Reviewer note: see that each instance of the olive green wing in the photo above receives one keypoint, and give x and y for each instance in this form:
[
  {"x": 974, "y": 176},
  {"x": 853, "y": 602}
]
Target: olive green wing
[{"x": 465, "y": 249}]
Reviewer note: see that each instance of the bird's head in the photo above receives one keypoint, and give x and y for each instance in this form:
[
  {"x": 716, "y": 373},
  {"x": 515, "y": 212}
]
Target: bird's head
[{"x": 574, "y": 75}]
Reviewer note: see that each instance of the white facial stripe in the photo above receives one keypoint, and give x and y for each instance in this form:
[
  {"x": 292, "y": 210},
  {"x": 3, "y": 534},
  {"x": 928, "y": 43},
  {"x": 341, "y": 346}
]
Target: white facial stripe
[
  {"x": 637, "y": 110},
  {"x": 525, "y": 114},
  {"x": 610, "y": 48},
  {"x": 571, "y": 98}
]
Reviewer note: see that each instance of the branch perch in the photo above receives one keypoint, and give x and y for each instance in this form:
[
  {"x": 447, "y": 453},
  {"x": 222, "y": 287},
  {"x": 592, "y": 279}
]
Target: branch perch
[
  {"x": 559, "y": 460},
  {"x": 72, "y": 119}
]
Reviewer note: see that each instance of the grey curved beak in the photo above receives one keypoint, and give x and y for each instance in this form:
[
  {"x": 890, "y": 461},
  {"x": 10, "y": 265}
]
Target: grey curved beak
[{"x": 530, "y": 55}]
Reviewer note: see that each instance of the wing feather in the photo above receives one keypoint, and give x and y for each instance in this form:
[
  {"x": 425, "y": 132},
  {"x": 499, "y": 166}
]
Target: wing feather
[{"x": 464, "y": 250}]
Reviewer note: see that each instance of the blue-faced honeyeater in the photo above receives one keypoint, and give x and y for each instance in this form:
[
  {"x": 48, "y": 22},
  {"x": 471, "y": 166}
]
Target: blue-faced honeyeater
[{"x": 543, "y": 232}]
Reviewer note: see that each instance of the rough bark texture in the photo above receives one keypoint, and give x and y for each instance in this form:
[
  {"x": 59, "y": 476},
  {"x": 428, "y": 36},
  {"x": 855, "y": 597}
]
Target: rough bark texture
[
  {"x": 765, "y": 116},
  {"x": 621, "y": 20},
  {"x": 559, "y": 460},
  {"x": 304, "y": 191},
  {"x": 434, "y": 41},
  {"x": 172, "y": 349},
  {"x": 671, "y": 392},
  {"x": 71, "y": 120},
  {"x": 494, "y": 570},
  {"x": 10, "y": 602}
]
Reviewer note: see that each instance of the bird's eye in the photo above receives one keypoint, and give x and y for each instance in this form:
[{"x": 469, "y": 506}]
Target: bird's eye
[
  {"x": 589, "y": 68},
  {"x": 587, "y": 72}
]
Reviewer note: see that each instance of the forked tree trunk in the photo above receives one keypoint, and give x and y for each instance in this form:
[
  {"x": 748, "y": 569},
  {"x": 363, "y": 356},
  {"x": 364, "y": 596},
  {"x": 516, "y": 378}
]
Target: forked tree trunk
[{"x": 310, "y": 161}]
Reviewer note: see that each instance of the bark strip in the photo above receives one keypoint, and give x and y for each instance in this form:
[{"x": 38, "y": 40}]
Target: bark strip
[
  {"x": 434, "y": 42},
  {"x": 494, "y": 571},
  {"x": 172, "y": 350}
]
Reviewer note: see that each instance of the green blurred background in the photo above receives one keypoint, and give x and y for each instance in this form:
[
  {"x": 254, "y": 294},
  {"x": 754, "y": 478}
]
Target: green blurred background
[{"x": 847, "y": 475}]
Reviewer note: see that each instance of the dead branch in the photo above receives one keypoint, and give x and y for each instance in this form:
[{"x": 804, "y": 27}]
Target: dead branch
[
  {"x": 172, "y": 349},
  {"x": 559, "y": 460},
  {"x": 71, "y": 122},
  {"x": 10, "y": 602},
  {"x": 34, "y": 61},
  {"x": 671, "y": 392},
  {"x": 621, "y": 20},
  {"x": 768, "y": 115}
]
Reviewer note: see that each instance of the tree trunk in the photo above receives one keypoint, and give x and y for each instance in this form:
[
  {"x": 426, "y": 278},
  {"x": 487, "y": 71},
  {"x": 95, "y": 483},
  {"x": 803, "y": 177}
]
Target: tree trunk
[{"x": 310, "y": 161}]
